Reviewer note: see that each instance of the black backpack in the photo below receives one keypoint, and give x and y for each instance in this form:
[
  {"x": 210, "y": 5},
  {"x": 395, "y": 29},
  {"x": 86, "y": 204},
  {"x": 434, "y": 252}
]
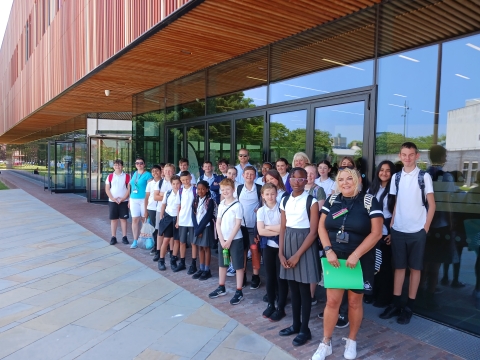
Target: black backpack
[{"x": 259, "y": 192}]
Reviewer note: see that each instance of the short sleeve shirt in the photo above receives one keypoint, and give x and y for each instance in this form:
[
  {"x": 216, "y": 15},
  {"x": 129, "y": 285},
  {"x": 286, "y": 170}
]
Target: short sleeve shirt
[
  {"x": 118, "y": 189},
  {"x": 186, "y": 201},
  {"x": 152, "y": 204},
  {"x": 410, "y": 212},
  {"x": 296, "y": 211},
  {"x": 166, "y": 186},
  {"x": 269, "y": 217},
  {"x": 172, "y": 201},
  {"x": 138, "y": 184},
  {"x": 357, "y": 221},
  {"x": 228, "y": 215},
  {"x": 327, "y": 185},
  {"x": 249, "y": 201}
]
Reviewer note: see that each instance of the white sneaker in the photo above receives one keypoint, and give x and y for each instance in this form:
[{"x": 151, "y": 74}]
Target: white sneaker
[
  {"x": 323, "y": 351},
  {"x": 350, "y": 349},
  {"x": 231, "y": 271}
]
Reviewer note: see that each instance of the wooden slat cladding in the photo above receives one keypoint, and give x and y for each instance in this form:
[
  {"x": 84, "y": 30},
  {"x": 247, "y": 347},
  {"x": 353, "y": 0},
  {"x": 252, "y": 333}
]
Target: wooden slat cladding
[
  {"x": 406, "y": 24},
  {"x": 213, "y": 31}
]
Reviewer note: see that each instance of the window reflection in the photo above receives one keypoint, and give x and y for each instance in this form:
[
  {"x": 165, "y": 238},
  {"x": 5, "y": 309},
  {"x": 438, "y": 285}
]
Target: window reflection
[
  {"x": 195, "y": 148},
  {"x": 219, "y": 141},
  {"x": 323, "y": 82},
  {"x": 288, "y": 134},
  {"x": 249, "y": 135}
]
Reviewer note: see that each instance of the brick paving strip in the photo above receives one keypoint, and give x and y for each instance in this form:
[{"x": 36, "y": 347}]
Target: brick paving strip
[{"x": 375, "y": 341}]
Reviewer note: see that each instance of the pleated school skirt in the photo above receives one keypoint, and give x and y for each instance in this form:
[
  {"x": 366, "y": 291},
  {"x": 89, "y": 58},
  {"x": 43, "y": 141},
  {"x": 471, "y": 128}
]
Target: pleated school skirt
[
  {"x": 207, "y": 238},
  {"x": 307, "y": 270}
]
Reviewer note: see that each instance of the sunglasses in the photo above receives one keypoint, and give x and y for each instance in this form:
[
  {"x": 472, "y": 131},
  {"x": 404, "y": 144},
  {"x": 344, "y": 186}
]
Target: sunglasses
[
  {"x": 242, "y": 155},
  {"x": 297, "y": 180},
  {"x": 139, "y": 163},
  {"x": 346, "y": 167}
]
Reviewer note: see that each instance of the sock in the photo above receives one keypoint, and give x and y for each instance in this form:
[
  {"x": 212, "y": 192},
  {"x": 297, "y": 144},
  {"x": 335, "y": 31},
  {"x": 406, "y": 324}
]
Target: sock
[
  {"x": 207, "y": 268},
  {"x": 171, "y": 252},
  {"x": 194, "y": 261},
  {"x": 182, "y": 260},
  {"x": 397, "y": 300},
  {"x": 202, "y": 267},
  {"x": 162, "y": 260},
  {"x": 410, "y": 303}
]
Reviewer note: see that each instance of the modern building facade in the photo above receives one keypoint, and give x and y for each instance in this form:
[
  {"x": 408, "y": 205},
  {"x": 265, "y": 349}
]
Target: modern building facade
[{"x": 327, "y": 78}]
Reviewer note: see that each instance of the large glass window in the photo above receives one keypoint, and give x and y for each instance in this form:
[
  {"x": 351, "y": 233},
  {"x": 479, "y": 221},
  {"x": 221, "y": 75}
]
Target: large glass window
[
  {"x": 220, "y": 140},
  {"x": 249, "y": 135},
  {"x": 288, "y": 134},
  {"x": 195, "y": 148},
  {"x": 240, "y": 83},
  {"x": 185, "y": 97},
  {"x": 175, "y": 145},
  {"x": 339, "y": 132}
]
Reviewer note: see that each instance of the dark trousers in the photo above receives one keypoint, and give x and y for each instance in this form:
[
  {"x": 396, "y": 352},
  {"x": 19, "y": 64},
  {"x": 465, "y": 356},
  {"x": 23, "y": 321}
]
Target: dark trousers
[
  {"x": 301, "y": 304},
  {"x": 275, "y": 285},
  {"x": 383, "y": 284}
]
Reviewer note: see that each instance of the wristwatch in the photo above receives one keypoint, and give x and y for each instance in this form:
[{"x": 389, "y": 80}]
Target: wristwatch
[{"x": 326, "y": 248}]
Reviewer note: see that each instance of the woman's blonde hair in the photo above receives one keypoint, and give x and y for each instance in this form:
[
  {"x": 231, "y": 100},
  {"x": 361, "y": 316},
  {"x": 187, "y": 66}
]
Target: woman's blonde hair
[
  {"x": 357, "y": 178},
  {"x": 301, "y": 155}
]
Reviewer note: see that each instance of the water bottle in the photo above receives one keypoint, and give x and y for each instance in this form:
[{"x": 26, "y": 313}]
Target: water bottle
[
  {"x": 255, "y": 256},
  {"x": 226, "y": 257}
]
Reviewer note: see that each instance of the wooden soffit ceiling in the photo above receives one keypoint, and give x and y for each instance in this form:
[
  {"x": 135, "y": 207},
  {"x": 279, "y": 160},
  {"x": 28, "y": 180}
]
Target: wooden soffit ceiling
[{"x": 201, "y": 34}]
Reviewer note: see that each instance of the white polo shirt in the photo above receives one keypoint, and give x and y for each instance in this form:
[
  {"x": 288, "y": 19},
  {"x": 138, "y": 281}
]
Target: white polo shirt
[
  {"x": 152, "y": 204},
  {"x": 186, "y": 201},
  {"x": 410, "y": 212},
  {"x": 118, "y": 189},
  {"x": 296, "y": 212},
  {"x": 249, "y": 201},
  {"x": 172, "y": 201},
  {"x": 327, "y": 185},
  {"x": 269, "y": 217},
  {"x": 228, "y": 216},
  {"x": 166, "y": 186}
]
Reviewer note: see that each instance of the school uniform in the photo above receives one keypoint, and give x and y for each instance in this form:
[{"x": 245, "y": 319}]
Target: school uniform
[
  {"x": 271, "y": 216},
  {"x": 166, "y": 186},
  {"x": 152, "y": 206},
  {"x": 228, "y": 214},
  {"x": 193, "y": 181},
  {"x": 166, "y": 227},
  {"x": 250, "y": 202},
  {"x": 327, "y": 185},
  {"x": 203, "y": 221},
  {"x": 185, "y": 223},
  {"x": 216, "y": 188}
]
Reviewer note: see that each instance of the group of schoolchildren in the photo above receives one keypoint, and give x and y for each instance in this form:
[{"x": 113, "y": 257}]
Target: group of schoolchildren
[{"x": 279, "y": 210}]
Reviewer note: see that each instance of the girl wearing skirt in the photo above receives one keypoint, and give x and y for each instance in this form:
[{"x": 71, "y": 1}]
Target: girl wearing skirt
[
  {"x": 298, "y": 253},
  {"x": 203, "y": 222}
]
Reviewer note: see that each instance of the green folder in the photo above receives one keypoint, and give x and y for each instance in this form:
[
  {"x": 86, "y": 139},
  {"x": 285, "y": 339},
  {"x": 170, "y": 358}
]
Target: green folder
[{"x": 342, "y": 277}]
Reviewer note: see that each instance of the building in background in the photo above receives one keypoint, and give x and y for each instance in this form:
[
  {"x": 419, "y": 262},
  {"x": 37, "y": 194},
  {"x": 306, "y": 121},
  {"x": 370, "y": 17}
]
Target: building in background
[{"x": 203, "y": 78}]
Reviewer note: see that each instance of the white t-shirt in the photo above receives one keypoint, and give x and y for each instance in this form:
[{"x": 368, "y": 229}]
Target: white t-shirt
[
  {"x": 172, "y": 201},
  {"x": 410, "y": 212},
  {"x": 249, "y": 201},
  {"x": 186, "y": 201},
  {"x": 269, "y": 217},
  {"x": 118, "y": 189},
  {"x": 193, "y": 181},
  {"x": 166, "y": 186},
  {"x": 152, "y": 204},
  {"x": 296, "y": 212},
  {"x": 229, "y": 217},
  {"x": 327, "y": 185}
]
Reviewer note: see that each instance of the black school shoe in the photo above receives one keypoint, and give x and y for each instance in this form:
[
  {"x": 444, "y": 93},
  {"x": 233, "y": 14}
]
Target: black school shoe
[
  {"x": 302, "y": 338},
  {"x": 125, "y": 240},
  {"x": 277, "y": 315},
  {"x": 288, "y": 331},
  {"x": 237, "y": 298},
  {"x": 219, "y": 291},
  {"x": 255, "y": 284},
  {"x": 405, "y": 316},
  {"x": 206, "y": 274},
  {"x": 157, "y": 255},
  {"x": 390, "y": 312},
  {"x": 161, "y": 265},
  {"x": 197, "y": 274},
  {"x": 268, "y": 311},
  {"x": 192, "y": 269},
  {"x": 181, "y": 266},
  {"x": 113, "y": 240}
]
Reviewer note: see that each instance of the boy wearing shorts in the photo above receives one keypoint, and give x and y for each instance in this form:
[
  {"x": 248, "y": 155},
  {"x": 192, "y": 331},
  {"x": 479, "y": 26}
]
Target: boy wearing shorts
[
  {"x": 168, "y": 219},
  {"x": 412, "y": 216},
  {"x": 230, "y": 215},
  {"x": 161, "y": 189},
  {"x": 185, "y": 224},
  {"x": 117, "y": 188}
]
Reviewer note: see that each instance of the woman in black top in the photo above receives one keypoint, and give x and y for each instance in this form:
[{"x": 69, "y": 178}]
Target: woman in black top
[{"x": 364, "y": 229}]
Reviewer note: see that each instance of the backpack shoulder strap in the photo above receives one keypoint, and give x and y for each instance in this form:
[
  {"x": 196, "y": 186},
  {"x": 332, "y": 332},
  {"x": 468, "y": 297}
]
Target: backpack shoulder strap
[
  {"x": 160, "y": 184},
  {"x": 285, "y": 199},
  {"x": 194, "y": 190},
  {"x": 421, "y": 184},
  {"x": 332, "y": 198},
  {"x": 239, "y": 190},
  {"x": 367, "y": 202},
  {"x": 110, "y": 178},
  {"x": 127, "y": 179},
  {"x": 259, "y": 193},
  {"x": 167, "y": 195},
  {"x": 398, "y": 176}
]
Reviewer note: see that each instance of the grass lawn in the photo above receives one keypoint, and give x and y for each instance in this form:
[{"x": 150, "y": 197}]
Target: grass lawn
[{"x": 3, "y": 186}]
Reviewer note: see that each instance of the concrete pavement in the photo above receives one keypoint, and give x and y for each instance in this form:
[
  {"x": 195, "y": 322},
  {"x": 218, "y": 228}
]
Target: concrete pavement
[{"x": 66, "y": 294}]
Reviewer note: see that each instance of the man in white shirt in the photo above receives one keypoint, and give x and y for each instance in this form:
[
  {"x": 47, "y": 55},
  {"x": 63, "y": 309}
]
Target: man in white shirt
[
  {"x": 117, "y": 187},
  {"x": 183, "y": 165},
  {"x": 410, "y": 224},
  {"x": 243, "y": 158}
]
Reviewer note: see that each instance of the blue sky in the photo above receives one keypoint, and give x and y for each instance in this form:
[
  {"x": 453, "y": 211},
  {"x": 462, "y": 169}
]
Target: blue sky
[{"x": 5, "y": 6}]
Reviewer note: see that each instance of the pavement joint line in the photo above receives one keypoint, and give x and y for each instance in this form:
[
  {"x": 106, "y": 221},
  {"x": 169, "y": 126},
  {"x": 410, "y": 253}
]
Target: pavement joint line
[{"x": 9, "y": 326}]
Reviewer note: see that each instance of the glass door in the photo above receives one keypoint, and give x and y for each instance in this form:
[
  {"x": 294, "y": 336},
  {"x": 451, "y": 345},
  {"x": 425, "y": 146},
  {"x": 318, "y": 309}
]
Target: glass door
[{"x": 103, "y": 152}]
